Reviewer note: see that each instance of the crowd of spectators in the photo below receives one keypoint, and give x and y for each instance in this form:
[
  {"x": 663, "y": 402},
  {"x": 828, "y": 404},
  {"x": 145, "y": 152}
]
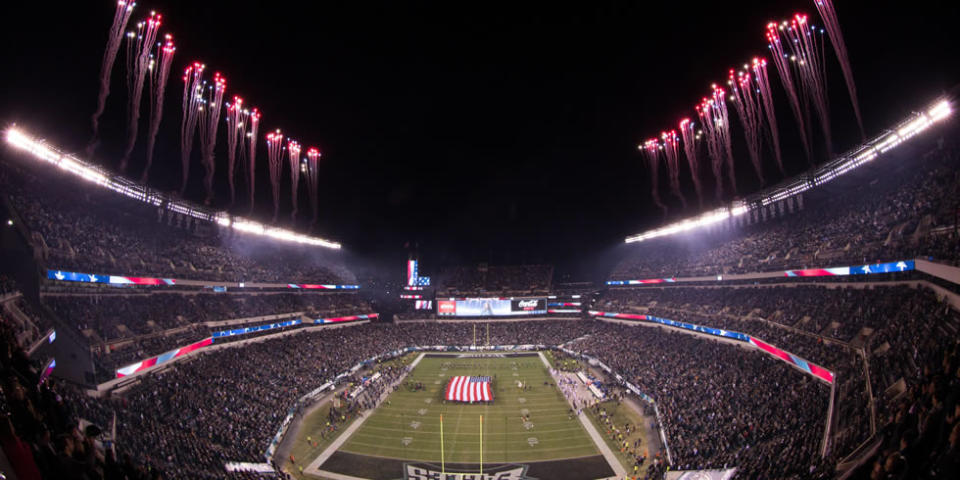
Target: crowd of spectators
[
  {"x": 7, "y": 285},
  {"x": 97, "y": 231},
  {"x": 836, "y": 313},
  {"x": 920, "y": 428},
  {"x": 42, "y": 431},
  {"x": 898, "y": 329},
  {"x": 894, "y": 216},
  {"x": 115, "y": 316},
  {"x": 494, "y": 279},
  {"x": 28, "y": 323},
  {"x": 126, "y": 327},
  {"x": 227, "y": 405},
  {"x": 721, "y": 406}
]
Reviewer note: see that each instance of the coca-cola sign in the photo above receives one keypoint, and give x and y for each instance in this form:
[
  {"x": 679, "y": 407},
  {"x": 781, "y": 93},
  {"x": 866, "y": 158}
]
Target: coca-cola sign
[{"x": 528, "y": 305}]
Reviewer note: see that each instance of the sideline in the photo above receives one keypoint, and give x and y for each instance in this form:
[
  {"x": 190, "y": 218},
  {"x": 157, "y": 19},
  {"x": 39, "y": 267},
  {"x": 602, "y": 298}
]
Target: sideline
[
  {"x": 594, "y": 435},
  {"x": 290, "y": 437},
  {"x": 314, "y": 467}
]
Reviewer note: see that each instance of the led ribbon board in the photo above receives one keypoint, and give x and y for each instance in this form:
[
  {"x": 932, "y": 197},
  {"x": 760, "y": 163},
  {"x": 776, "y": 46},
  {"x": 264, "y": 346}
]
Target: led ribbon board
[
  {"x": 258, "y": 328},
  {"x": 64, "y": 276},
  {"x": 889, "y": 267},
  {"x": 311, "y": 286},
  {"x": 351, "y": 318},
  {"x": 178, "y": 352},
  {"x": 111, "y": 279},
  {"x": 641, "y": 282},
  {"x": 163, "y": 358}
]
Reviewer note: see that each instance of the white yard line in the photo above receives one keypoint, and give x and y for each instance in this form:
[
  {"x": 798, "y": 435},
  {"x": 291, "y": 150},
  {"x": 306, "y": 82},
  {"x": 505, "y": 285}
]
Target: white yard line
[
  {"x": 597, "y": 439},
  {"x": 543, "y": 358},
  {"x": 417, "y": 361}
]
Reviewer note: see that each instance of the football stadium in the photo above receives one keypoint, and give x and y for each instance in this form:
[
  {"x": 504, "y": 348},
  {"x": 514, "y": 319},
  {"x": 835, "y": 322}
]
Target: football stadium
[{"x": 400, "y": 241}]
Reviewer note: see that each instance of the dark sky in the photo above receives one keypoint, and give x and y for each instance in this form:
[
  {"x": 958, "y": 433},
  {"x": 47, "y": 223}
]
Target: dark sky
[{"x": 483, "y": 131}]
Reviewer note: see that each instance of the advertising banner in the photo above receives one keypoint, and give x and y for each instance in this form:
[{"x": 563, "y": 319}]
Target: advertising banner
[{"x": 491, "y": 307}]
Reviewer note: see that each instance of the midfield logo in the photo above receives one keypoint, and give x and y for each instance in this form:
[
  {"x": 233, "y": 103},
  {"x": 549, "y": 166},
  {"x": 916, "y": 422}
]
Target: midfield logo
[{"x": 430, "y": 472}]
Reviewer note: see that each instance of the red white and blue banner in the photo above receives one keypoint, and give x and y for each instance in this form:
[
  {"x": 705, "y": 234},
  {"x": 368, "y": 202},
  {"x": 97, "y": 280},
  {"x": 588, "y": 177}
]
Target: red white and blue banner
[
  {"x": 888, "y": 267},
  {"x": 413, "y": 275},
  {"x": 47, "y": 370},
  {"x": 868, "y": 269},
  {"x": 65, "y": 276},
  {"x": 112, "y": 279},
  {"x": 469, "y": 389},
  {"x": 312, "y": 286},
  {"x": 792, "y": 359},
  {"x": 177, "y": 352},
  {"x": 351, "y": 318},
  {"x": 257, "y": 328},
  {"x": 641, "y": 282},
  {"x": 163, "y": 358},
  {"x": 412, "y": 272},
  {"x": 424, "y": 305}
]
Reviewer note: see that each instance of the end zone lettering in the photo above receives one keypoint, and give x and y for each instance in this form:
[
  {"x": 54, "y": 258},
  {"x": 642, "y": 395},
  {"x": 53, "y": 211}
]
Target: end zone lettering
[{"x": 418, "y": 472}]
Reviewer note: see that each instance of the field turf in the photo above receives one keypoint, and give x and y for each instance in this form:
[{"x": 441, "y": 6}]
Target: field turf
[{"x": 407, "y": 425}]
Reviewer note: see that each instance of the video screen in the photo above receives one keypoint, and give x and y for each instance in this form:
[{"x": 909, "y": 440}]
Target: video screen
[{"x": 491, "y": 307}]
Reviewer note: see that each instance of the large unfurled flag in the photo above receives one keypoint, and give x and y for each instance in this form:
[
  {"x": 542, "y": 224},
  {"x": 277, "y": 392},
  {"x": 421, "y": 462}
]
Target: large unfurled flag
[{"x": 469, "y": 389}]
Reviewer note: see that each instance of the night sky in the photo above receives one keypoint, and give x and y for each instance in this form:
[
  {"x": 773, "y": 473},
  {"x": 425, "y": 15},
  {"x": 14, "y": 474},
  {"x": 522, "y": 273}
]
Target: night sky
[{"x": 480, "y": 131}]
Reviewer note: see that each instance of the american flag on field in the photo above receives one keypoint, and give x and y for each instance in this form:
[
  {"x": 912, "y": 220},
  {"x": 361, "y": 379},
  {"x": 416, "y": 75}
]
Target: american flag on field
[{"x": 469, "y": 389}]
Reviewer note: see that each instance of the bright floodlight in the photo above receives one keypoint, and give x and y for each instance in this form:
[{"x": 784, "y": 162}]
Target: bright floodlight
[
  {"x": 40, "y": 150},
  {"x": 890, "y": 139}
]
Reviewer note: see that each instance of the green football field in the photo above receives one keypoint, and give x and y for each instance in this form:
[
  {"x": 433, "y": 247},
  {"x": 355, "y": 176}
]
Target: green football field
[{"x": 407, "y": 425}]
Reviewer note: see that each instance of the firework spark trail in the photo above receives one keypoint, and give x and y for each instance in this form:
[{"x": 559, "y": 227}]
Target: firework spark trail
[
  {"x": 762, "y": 81},
  {"x": 313, "y": 188},
  {"x": 159, "y": 74},
  {"x": 139, "y": 63},
  {"x": 749, "y": 110},
  {"x": 209, "y": 124},
  {"x": 722, "y": 127},
  {"x": 132, "y": 50},
  {"x": 782, "y": 62},
  {"x": 832, "y": 25},
  {"x": 671, "y": 151},
  {"x": 236, "y": 129},
  {"x": 690, "y": 148},
  {"x": 714, "y": 147},
  {"x": 193, "y": 87},
  {"x": 275, "y": 158},
  {"x": 293, "y": 156},
  {"x": 806, "y": 44},
  {"x": 120, "y": 18},
  {"x": 249, "y": 157},
  {"x": 651, "y": 150}
]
